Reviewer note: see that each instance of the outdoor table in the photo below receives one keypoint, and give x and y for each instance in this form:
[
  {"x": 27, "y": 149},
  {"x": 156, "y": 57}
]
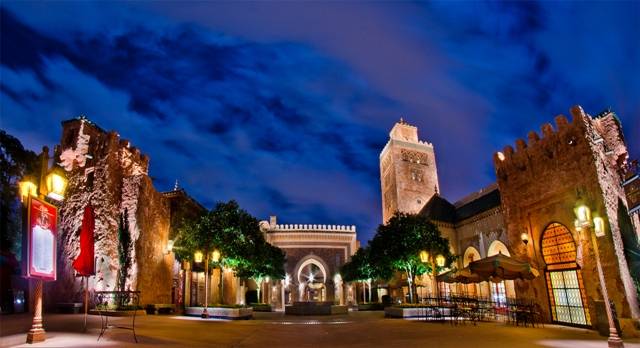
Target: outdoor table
[{"x": 110, "y": 303}]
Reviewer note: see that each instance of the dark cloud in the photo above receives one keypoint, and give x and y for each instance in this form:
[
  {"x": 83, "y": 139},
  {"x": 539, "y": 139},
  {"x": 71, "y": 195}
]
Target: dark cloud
[{"x": 286, "y": 108}]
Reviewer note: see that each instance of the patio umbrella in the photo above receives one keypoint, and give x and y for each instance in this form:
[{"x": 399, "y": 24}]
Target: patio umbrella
[
  {"x": 84, "y": 264},
  {"x": 464, "y": 276},
  {"x": 501, "y": 267}
]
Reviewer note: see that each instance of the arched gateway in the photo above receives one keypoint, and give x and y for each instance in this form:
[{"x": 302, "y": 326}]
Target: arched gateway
[
  {"x": 314, "y": 256},
  {"x": 567, "y": 297}
]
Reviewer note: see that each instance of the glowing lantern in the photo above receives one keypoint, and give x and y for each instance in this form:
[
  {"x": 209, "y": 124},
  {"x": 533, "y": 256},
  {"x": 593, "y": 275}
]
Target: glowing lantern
[
  {"x": 440, "y": 260},
  {"x": 197, "y": 256},
  {"x": 525, "y": 238},
  {"x": 27, "y": 188},
  {"x": 56, "y": 184},
  {"x": 216, "y": 255},
  {"x": 583, "y": 214},
  {"x": 169, "y": 246},
  {"x": 598, "y": 226},
  {"x": 424, "y": 256}
]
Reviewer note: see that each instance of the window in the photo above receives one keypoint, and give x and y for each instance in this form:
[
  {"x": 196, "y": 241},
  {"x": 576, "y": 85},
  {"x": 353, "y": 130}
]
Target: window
[{"x": 567, "y": 297}]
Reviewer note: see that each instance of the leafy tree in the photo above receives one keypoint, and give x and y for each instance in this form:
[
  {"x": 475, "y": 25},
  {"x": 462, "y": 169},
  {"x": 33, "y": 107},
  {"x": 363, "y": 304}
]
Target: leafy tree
[
  {"x": 15, "y": 163},
  {"x": 236, "y": 234},
  {"x": 360, "y": 268},
  {"x": 397, "y": 246},
  {"x": 266, "y": 261}
]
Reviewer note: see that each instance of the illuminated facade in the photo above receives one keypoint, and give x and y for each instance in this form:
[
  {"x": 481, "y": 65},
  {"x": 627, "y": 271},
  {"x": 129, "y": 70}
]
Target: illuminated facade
[
  {"x": 538, "y": 187},
  {"x": 314, "y": 254}
]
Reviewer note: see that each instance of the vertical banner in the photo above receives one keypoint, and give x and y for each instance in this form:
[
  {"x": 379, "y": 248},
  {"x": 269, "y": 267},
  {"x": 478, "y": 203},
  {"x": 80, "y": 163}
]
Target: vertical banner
[{"x": 41, "y": 240}]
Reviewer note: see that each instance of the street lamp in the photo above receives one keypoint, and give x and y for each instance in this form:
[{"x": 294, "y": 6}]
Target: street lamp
[
  {"x": 56, "y": 184},
  {"x": 583, "y": 222},
  {"x": 52, "y": 185},
  {"x": 424, "y": 256},
  {"x": 28, "y": 188},
  {"x": 197, "y": 257}
]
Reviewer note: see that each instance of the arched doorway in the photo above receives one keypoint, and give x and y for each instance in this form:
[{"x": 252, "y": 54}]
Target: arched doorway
[
  {"x": 470, "y": 255},
  {"x": 504, "y": 289},
  {"x": 567, "y": 297},
  {"x": 312, "y": 277}
]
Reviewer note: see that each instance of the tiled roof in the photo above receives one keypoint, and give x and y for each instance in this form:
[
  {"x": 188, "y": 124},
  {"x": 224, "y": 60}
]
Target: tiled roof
[{"x": 439, "y": 209}]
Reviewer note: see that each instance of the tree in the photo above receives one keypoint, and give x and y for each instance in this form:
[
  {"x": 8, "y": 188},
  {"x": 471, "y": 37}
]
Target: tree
[
  {"x": 237, "y": 236},
  {"x": 266, "y": 261},
  {"x": 124, "y": 251},
  {"x": 15, "y": 163},
  {"x": 397, "y": 246},
  {"x": 360, "y": 268}
]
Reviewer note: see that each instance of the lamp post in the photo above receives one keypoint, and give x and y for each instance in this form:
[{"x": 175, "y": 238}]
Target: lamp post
[
  {"x": 583, "y": 222},
  {"x": 51, "y": 183},
  {"x": 216, "y": 258}
]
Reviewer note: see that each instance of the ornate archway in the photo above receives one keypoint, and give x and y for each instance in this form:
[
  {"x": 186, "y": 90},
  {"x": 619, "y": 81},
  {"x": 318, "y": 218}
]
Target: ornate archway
[
  {"x": 567, "y": 297},
  {"x": 311, "y": 274}
]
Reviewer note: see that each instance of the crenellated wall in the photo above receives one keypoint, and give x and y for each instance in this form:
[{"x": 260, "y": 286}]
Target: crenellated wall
[
  {"x": 541, "y": 181},
  {"x": 111, "y": 175}
]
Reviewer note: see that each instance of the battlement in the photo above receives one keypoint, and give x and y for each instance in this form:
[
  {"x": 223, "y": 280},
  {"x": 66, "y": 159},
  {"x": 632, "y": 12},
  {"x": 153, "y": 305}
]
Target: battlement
[
  {"x": 308, "y": 227},
  {"x": 84, "y": 142},
  {"x": 564, "y": 137}
]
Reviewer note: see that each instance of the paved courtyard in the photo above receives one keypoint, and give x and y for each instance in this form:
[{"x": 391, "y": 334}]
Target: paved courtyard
[{"x": 357, "y": 329}]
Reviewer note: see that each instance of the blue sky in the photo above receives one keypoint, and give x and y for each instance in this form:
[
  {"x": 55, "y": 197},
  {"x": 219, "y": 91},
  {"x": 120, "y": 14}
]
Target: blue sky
[{"x": 286, "y": 106}]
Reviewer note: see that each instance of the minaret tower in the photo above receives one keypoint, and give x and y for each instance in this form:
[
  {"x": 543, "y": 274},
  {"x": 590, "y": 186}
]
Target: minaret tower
[{"x": 408, "y": 173}]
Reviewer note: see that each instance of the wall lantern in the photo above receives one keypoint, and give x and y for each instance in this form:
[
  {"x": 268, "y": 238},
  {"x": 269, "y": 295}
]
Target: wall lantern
[
  {"x": 598, "y": 226},
  {"x": 216, "y": 255},
  {"x": 197, "y": 256},
  {"x": 583, "y": 214},
  {"x": 56, "y": 184},
  {"x": 424, "y": 256},
  {"x": 169, "y": 246},
  {"x": 525, "y": 238},
  {"x": 440, "y": 260},
  {"x": 27, "y": 188}
]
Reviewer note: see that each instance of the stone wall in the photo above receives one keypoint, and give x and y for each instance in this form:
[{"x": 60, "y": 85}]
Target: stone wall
[
  {"x": 540, "y": 182},
  {"x": 111, "y": 175}
]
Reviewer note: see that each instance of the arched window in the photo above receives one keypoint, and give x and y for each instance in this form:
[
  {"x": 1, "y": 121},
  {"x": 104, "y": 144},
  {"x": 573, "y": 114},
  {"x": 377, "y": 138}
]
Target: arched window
[{"x": 567, "y": 297}]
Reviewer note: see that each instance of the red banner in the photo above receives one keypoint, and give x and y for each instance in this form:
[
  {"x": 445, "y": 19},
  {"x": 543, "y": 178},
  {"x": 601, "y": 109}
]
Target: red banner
[
  {"x": 41, "y": 240},
  {"x": 84, "y": 264}
]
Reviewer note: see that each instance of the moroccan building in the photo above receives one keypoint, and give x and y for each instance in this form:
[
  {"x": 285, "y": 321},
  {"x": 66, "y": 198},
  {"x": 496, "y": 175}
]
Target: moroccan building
[
  {"x": 132, "y": 219},
  {"x": 314, "y": 255},
  {"x": 529, "y": 214}
]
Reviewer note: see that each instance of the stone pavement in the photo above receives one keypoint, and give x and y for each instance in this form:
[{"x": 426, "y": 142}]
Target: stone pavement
[{"x": 357, "y": 329}]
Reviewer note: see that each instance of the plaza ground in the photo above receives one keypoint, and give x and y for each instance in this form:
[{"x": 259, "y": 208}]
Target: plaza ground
[{"x": 357, "y": 329}]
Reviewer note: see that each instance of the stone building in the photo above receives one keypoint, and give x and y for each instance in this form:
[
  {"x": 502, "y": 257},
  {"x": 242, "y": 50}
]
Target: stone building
[
  {"x": 314, "y": 255},
  {"x": 539, "y": 185},
  {"x": 110, "y": 174}
]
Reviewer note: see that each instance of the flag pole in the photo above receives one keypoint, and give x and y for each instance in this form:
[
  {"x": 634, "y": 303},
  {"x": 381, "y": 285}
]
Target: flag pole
[{"x": 86, "y": 301}]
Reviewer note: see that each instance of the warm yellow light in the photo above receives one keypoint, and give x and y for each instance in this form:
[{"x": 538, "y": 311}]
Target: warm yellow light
[
  {"x": 197, "y": 256},
  {"x": 424, "y": 256},
  {"x": 598, "y": 226},
  {"x": 27, "y": 188},
  {"x": 525, "y": 238},
  {"x": 169, "y": 246},
  {"x": 583, "y": 214},
  {"x": 440, "y": 260},
  {"x": 216, "y": 255},
  {"x": 56, "y": 184}
]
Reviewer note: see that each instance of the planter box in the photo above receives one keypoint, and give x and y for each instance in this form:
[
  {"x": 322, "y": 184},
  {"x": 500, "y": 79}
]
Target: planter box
[
  {"x": 315, "y": 308},
  {"x": 261, "y": 307},
  {"x": 336, "y": 309},
  {"x": 400, "y": 312},
  {"x": 221, "y": 312},
  {"x": 370, "y": 307}
]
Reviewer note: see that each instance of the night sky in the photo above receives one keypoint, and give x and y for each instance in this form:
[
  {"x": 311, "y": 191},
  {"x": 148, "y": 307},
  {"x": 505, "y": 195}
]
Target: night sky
[{"x": 285, "y": 107}]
